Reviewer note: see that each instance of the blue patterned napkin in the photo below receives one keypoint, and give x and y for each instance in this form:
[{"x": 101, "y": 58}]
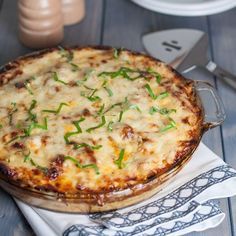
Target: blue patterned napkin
[{"x": 186, "y": 204}]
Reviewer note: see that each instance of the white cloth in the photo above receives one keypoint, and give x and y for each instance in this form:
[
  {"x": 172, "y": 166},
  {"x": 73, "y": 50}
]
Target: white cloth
[{"x": 184, "y": 205}]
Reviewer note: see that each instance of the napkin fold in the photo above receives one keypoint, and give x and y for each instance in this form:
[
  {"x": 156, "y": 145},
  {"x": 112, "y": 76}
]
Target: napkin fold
[{"x": 185, "y": 205}]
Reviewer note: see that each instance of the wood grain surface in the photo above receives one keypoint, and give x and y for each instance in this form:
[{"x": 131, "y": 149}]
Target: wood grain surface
[{"x": 122, "y": 24}]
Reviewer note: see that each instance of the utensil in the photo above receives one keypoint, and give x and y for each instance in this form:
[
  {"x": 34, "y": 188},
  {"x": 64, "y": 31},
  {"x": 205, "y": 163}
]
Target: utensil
[{"x": 185, "y": 49}]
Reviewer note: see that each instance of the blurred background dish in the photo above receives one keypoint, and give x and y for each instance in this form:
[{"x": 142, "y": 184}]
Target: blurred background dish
[{"x": 187, "y": 7}]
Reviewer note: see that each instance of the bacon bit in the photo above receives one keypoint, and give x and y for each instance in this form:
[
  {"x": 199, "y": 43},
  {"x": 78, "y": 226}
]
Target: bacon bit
[
  {"x": 72, "y": 84},
  {"x": 18, "y": 145},
  {"x": 44, "y": 139},
  {"x": 86, "y": 112},
  {"x": 127, "y": 132},
  {"x": 186, "y": 120},
  {"x": 20, "y": 85},
  {"x": 66, "y": 117},
  {"x": 104, "y": 61},
  {"x": 90, "y": 153},
  {"x": 53, "y": 173},
  {"x": 57, "y": 89}
]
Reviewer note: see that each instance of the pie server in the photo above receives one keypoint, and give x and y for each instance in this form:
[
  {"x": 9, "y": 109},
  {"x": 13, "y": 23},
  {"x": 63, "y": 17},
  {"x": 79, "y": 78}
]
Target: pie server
[{"x": 184, "y": 49}]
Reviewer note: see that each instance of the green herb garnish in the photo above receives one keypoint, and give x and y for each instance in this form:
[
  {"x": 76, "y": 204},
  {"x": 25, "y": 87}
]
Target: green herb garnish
[
  {"x": 79, "y": 130},
  {"x": 81, "y": 145},
  {"x": 120, "y": 116},
  {"x": 74, "y": 67},
  {"x": 56, "y": 78},
  {"x": 28, "y": 87},
  {"x": 100, "y": 111},
  {"x": 162, "y": 111},
  {"x": 171, "y": 125},
  {"x": 109, "y": 91},
  {"x": 109, "y": 126},
  {"x": 79, "y": 165},
  {"x": 91, "y": 97},
  {"x": 103, "y": 122},
  {"x": 124, "y": 72},
  {"x": 135, "y": 107},
  {"x": 35, "y": 125},
  {"x": 65, "y": 53},
  {"x": 32, "y": 116},
  {"x": 28, "y": 158},
  {"x": 57, "y": 111},
  {"x": 154, "y": 73},
  {"x": 162, "y": 95},
  {"x": 152, "y": 95},
  {"x": 115, "y": 53},
  {"x": 12, "y": 111},
  {"x": 1, "y": 126},
  {"x": 118, "y": 162}
]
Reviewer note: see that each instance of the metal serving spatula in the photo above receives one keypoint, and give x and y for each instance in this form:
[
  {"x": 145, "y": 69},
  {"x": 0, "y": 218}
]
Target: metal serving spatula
[{"x": 184, "y": 49}]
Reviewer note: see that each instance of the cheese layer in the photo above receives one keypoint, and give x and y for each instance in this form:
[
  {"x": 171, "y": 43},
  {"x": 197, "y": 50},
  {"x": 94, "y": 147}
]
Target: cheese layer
[{"x": 93, "y": 120}]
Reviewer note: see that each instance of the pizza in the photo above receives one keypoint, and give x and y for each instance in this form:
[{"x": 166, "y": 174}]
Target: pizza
[{"x": 94, "y": 121}]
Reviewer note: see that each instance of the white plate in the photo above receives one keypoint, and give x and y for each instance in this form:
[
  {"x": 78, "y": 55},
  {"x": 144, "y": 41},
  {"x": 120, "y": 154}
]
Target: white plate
[{"x": 187, "y": 7}]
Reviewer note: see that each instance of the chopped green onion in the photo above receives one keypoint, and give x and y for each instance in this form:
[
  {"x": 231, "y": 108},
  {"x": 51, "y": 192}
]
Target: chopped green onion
[
  {"x": 157, "y": 75},
  {"x": 56, "y": 78},
  {"x": 109, "y": 126},
  {"x": 1, "y": 126},
  {"x": 123, "y": 72},
  {"x": 35, "y": 125},
  {"x": 28, "y": 158},
  {"x": 79, "y": 165},
  {"x": 153, "y": 96},
  {"x": 74, "y": 67},
  {"x": 81, "y": 145},
  {"x": 32, "y": 116},
  {"x": 109, "y": 91},
  {"x": 100, "y": 111},
  {"x": 121, "y": 104},
  {"x": 28, "y": 87},
  {"x": 151, "y": 93},
  {"x": 65, "y": 53},
  {"x": 120, "y": 116},
  {"x": 103, "y": 122},
  {"x": 135, "y": 107},
  {"x": 79, "y": 130},
  {"x": 90, "y": 97},
  {"x": 87, "y": 74},
  {"x": 12, "y": 111},
  {"x": 171, "y": 125},
  {"x": 162, "y": 95},
  {"x": 118, "y": 162},
  {"x": 115, "y": 53},
  {"x": 57, "y": 111},
  {"x": 162, "y": 111}
]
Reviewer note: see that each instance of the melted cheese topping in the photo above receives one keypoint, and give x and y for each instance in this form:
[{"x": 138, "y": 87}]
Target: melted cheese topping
[{"x": 42, "y": 104}]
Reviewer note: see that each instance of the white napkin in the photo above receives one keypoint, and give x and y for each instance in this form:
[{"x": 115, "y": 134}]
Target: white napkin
[{"x": 186, "y": 204}]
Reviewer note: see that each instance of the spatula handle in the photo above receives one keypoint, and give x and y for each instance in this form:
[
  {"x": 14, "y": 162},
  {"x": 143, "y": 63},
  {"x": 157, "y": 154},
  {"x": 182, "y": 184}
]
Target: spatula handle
[{"x": 228, "y": 77}]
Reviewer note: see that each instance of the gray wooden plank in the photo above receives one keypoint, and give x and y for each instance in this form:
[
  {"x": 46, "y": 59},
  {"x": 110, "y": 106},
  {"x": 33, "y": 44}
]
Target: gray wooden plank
[
  {"x": 223, "y": 34},
  {"x": 124, "y": 24},
  {"x": 88, "y": 31}
]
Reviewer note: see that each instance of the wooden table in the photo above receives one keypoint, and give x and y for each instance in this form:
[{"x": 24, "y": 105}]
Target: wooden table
[{"x": 120, "y": 23}]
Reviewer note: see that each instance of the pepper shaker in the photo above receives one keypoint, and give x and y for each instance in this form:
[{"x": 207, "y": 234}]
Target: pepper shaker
[
  {"x": 40, "y": 23},
  {"x": 73, "y": 11}
]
